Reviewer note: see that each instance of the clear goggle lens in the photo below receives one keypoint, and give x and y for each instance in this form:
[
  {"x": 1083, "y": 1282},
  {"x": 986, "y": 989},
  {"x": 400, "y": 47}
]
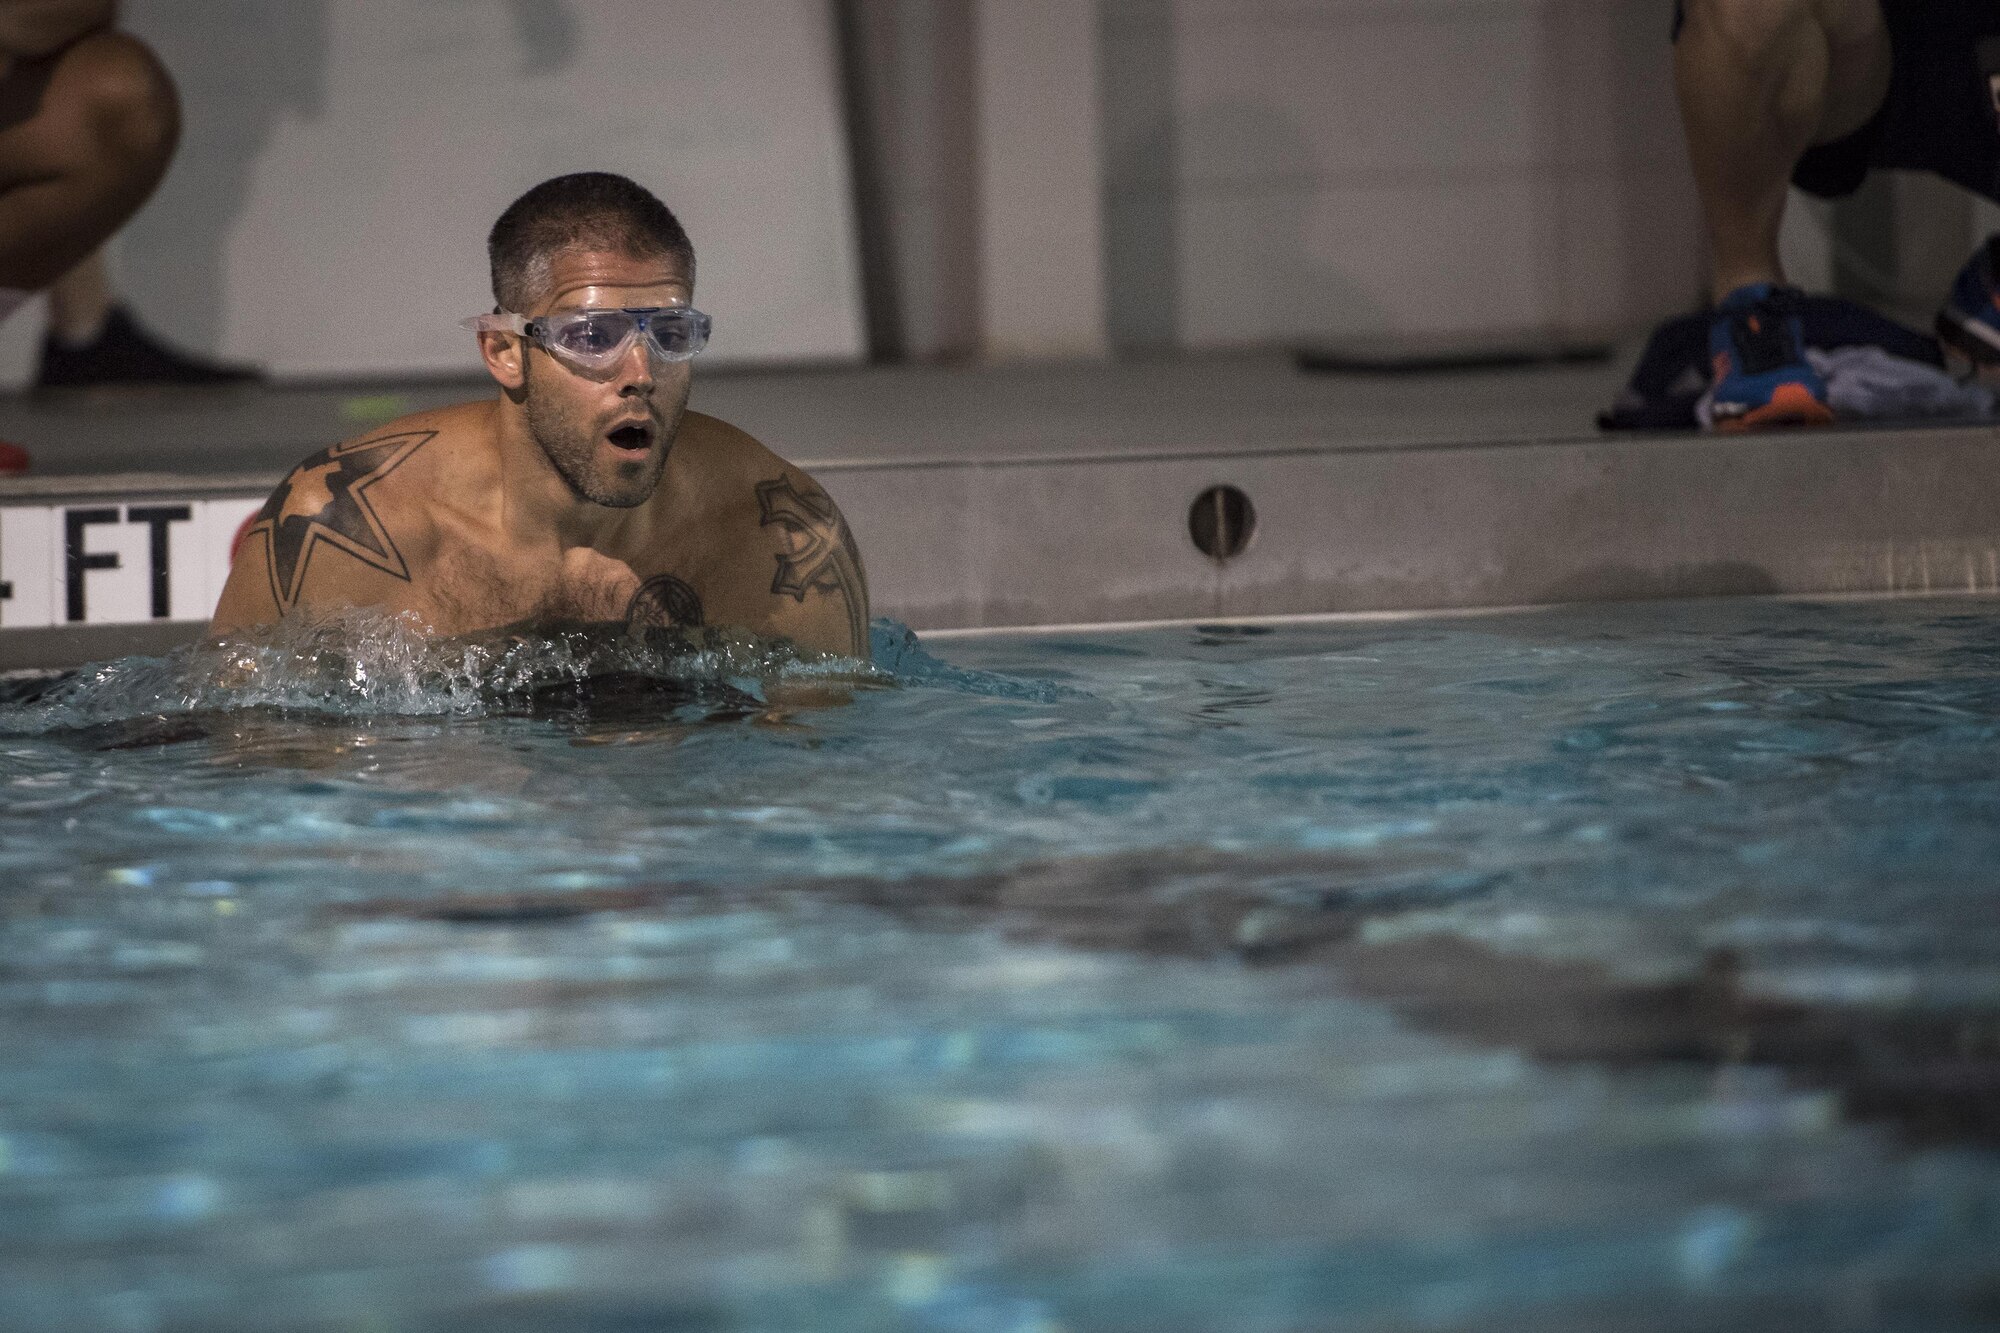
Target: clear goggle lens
[{"x": 599, "y": 339}]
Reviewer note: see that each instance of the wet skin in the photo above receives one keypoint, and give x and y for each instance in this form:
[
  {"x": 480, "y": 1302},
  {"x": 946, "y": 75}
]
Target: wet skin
[{"x": 568, "y": 496}]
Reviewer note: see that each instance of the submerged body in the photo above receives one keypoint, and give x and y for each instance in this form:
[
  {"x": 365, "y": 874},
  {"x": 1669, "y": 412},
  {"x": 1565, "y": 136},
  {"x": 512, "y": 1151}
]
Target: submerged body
[{"x": 583, "y": 491}]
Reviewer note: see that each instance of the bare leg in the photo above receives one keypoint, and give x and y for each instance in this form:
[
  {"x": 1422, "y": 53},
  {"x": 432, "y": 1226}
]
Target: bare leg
[
  {"x": 80, "y": 301},
  {"x": 84, "y": 138},
  {"x": 1760, "y": 82}
]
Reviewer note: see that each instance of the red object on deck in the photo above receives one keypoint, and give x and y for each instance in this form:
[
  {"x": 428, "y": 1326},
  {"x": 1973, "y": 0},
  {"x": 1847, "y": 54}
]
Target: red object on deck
[{"x": 13, "y": 458}]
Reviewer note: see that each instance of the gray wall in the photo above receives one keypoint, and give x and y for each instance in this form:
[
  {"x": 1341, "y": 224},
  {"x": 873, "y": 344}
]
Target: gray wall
[
  {"x": 1285, "y": 169},
  {"x": 918, "y": 114},
  {"x": 1288, "y": 168},
  {"x": 1271, "y": 170},
  {"x": 342, "y": 160}
]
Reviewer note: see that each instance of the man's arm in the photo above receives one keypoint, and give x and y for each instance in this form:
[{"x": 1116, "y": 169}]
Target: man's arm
[
  {"x": 246, "y": 600},
  {"x": 320, "y": 540},
  {"x": 31, "y": 29},
  {"x": 818, "y": 589}
]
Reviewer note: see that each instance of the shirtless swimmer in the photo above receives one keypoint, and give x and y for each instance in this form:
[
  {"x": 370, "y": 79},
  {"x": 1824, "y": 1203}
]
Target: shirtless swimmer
[{"x": 584, "y": 490}]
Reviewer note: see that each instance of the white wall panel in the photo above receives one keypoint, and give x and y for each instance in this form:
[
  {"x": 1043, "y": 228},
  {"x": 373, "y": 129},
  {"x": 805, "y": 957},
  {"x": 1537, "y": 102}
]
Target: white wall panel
[
  {"x": 1392, "y": 95},
  {"x": 1351, "y": 168},
  {"x": 1041, "y": 180},
  {"x": 1424, "y": 258},
  {"x": 343, "y": 160}
]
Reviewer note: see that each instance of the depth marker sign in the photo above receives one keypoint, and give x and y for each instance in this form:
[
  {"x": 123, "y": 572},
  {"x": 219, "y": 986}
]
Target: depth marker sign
[{"x": 102, "y": 563}]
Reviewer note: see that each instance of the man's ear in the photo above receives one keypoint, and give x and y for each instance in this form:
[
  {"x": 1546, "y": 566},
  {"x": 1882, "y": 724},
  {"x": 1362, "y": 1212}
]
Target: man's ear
[{"x": 503, "y": 354}]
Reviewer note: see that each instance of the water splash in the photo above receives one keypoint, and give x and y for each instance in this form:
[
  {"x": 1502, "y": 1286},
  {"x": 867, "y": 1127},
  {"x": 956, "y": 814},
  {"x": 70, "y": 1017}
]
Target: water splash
[
  {"x": 361, "y": 663},
  {"x": 895, "y": 649},
  {"x": 358, "y": 664}
]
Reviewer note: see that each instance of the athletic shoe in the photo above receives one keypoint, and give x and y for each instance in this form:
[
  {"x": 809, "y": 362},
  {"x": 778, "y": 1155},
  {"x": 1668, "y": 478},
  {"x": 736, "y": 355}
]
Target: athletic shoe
[
  {"x": 1758, "y": 356},
  {"x": 126, "y": 354},
  {"x": 1969, "y": 324}
]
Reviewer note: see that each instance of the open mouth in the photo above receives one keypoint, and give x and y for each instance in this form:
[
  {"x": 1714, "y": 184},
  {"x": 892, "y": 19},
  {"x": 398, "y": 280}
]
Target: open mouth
[{"x": 633, "y": 439}]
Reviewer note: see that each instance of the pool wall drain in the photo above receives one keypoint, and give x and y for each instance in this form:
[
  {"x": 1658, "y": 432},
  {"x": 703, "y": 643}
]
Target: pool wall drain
[
  {"x": 1221, "y": 522},
  {"x": 101, "y": 567}
]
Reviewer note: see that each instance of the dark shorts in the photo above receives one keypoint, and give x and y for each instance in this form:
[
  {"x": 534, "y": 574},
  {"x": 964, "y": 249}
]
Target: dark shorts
[{"x": 1939, "y": 115}]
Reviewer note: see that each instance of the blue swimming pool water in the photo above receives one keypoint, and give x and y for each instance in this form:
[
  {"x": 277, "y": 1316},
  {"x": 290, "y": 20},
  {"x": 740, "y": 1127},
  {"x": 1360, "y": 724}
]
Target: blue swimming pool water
[{"x": 1207, "y": 978}]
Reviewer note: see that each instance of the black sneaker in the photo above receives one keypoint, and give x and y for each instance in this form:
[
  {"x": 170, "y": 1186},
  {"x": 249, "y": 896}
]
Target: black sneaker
[{"x": 125, "y": 354}]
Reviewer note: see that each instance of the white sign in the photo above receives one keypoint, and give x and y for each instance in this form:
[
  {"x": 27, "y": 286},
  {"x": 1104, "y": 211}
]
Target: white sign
[{"x": 114, "y": 561}]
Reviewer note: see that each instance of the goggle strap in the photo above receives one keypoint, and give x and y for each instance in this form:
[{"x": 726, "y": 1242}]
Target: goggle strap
[{"x": 495, "y": 322}]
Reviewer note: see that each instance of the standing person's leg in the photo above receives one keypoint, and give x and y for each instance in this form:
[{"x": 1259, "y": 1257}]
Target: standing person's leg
[
  {"x": 1760, "y": 82},
  {"x": 85, "y": 136},
  {"x": 94, "y": 341},
  {"x": 1764, "y": 84},
  {"x": 80, "y": 302}
]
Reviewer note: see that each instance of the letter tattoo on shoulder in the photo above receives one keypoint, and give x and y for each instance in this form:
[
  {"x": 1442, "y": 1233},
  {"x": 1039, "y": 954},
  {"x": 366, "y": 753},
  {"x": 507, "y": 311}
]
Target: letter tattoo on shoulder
[
  {"x": 666, "y": 601},
  {"x": 325, "y": 503},
  {"x": 819, "y": 554}
]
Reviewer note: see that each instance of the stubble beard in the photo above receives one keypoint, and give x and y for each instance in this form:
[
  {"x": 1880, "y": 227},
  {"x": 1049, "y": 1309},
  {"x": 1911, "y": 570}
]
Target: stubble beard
[{"x": 569, "y": 440}]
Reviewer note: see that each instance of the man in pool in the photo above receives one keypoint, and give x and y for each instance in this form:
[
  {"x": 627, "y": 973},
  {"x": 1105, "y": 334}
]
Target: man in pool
[{"x": 583, "y": 490}]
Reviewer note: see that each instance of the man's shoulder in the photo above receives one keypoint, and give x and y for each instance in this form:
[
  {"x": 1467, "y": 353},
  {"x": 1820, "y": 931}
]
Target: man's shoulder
[
  {"x": 725, "y": 452},
  {"x": 395, "y": 465},
  {"x": 736, "y": 471},
  {"x": 739, "y": 477},
  {"x": 374, "y": 497},
  {"x": 780, "y": 556}
]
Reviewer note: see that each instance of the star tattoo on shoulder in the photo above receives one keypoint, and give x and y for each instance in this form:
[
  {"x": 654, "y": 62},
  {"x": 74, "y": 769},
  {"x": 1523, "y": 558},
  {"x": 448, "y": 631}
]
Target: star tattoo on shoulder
[
  {"x": 324, "y": 502},
  {"x": 819, "y": 554}
]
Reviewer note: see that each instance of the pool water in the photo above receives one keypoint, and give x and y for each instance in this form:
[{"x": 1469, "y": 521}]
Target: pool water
[{"x": 1603, "y": 968}]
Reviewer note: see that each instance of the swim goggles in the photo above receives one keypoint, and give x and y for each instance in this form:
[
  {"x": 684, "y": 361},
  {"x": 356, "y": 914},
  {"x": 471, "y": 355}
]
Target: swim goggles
[{"x": 598, "y": 339}]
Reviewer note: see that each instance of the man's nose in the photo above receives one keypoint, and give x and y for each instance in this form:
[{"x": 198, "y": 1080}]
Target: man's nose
[{"x": 635, "y": 368}]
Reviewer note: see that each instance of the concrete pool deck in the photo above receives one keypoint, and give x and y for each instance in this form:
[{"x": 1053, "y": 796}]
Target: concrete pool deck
[{"x": 1020, "y": 495}]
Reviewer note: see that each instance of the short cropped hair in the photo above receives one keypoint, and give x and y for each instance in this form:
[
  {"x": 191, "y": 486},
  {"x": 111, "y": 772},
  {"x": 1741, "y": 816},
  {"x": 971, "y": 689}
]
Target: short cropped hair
[{"x": 593, "y": 210}]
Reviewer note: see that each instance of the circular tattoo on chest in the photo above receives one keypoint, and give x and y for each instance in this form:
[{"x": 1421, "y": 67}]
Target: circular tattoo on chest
[{"x": 666, "y": 601}]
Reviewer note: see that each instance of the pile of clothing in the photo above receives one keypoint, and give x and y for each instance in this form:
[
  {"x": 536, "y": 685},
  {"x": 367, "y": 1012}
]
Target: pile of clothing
[{"x": 1875, "y": 370}]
